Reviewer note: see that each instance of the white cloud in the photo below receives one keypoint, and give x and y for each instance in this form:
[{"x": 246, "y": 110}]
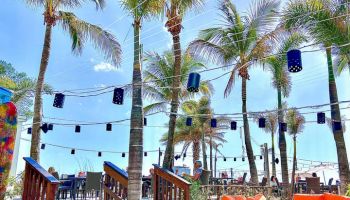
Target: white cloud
[{"x": 106, "y": 67}]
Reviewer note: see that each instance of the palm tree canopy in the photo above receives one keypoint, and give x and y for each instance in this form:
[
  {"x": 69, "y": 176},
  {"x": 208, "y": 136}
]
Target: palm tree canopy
[
  {"x": 158, "y": 88},
  {"x": 240, "y": 40},
  {"x": 146, "y": 9},
  {"x": 295, "y": 121},
  {"x": 65, "y": 3},
  {"x": 182, "y": 6}
]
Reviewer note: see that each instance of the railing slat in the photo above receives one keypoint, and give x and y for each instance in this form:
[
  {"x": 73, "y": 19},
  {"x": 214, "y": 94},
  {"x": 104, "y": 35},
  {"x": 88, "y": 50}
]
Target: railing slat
[{"x": 115, "y": 182}]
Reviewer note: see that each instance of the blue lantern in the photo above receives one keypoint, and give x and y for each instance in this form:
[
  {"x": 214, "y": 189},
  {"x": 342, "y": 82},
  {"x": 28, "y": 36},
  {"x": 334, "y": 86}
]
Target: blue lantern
[
  {"x": 283, "y": 127},
  {"x": 337, "y": 126},
  {"x": 261, "y": 157},
  {"x": 44, "y": 127},
  {"x": 77, "y": 129},
  {"x": 59, "y": 100},
  {"x": 235, "y": 159},
  {"x": 213, "y": 123},
  {"x": 177, "y": 157},
  {"x": 99, "y": 154},
  {"x": 50, "y": 127},
  {"x": 29, "y": 131},
  {"x": 72, "y": 151},
  {"x": 262, "y": 122},
  {"x": 145, "y": 154},
  {"x": 233, "y": 125},
  {"x": 188, "y": 121},
  {"x": 145, "y": 121},
  {"x": 321, "y": 118},
  {"x": 109, "y": 127},
  {"x": 193, "y": 82},
  {"x": 184, "y": 155},
  {"x": 243, "y": 159},
  {"x": 277, "y": 160},
  {"x": 294, "y": 60},
  {"x": 224, "y": 159},
  {"x": 123, "y": 155},
  {"x": 42, "y": 146},
  {"x": 118, "y": 96}
]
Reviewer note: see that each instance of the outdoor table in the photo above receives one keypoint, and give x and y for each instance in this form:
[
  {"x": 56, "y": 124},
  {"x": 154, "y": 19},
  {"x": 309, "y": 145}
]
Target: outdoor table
[{"x": 77, "y": 182}]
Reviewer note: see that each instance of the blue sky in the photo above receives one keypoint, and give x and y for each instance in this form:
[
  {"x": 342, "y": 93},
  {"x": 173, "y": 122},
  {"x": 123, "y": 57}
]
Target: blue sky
[{"x": 21, "y": 39}]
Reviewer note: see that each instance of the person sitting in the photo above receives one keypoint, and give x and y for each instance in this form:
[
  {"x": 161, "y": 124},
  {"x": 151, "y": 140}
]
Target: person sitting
[
  {"x": 274, "y": 184},
  {"x": 314, "y": 175},
  {"x": 197, "y": 171},
  {"x": 53, "y": 172}
]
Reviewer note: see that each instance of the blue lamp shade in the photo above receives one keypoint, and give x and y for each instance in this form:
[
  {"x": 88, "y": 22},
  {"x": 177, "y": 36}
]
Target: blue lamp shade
[
  {"x": 177, "y": 157},
  {"x": 213, "y": 123},
  {"x": 294, "y": 60},
  {"x": 77, "y": 129},
  {"x": 50, "y": 127},
  {"x": 99, "y": 154},
  {"x": 261, "y": 157},
  {"x": 321, "y": 118},
  {"x": 337, "y": 126},
  {"x": 235, "y": 159},
  {"x": 233, "y": 125},
  {"x": 277, "y": 160},
  {"x": 145, "y": 154},
  {"x": 109, "y": 127},
  {"x": 145, "y": 121},
  {"x": 283, "y": 127},
  {"x": 193, "y": 82},
  {"x": 262, "y": 122},
  {"x": 123, "y": 155},
  {"x": 29, "y": 131},
  {"x": 42, "y": 146},
  {"x": 118, "y": 96},
  {"x": 5, "y": 95},
  {"x": 59, "y": 100},
  {"x": 224, "y": 159},
  {"x": 45, "y": 127},
  {"x": 72, "y": 151},
  {"x": 188, "y": 121},
  {"x": 243, "y": 159}
]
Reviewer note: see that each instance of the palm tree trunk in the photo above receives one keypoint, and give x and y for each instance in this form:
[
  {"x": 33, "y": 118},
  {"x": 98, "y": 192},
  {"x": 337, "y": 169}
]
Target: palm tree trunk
[
  {"x": 136, "y": 123},
  {"x": 211, "y": 155},
  {"x": 196, "y": 149},
  {"x": 282, "y": 142},
  {"x": 216, "y": 159},
  {"x": 204, "y": 153},
  {"x": 343, "y": 164},
  {"x": 273, "y": 154},
  {"x": 294, "y": 163},
  {"x": 169, "y": 151},
  {"x": 34, "y": 148},
  {"x": 248, "y": 144}
]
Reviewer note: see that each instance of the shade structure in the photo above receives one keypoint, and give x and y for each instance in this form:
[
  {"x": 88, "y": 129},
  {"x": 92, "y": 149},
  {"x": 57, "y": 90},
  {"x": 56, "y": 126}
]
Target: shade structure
[
  {"x": 294, "y": 61},
  {"x": 123, "y": 155},
  {"x": 213, "y": 123},
  {"x": 72, "y": 151},
  {"x": 50, "y": 127},
  {"x": 109, "y": 127},
  {"x": 283, "y": 127},
  {"x": 321, "y": 118},
  {"x": 29, "y": 131},
  {"x": 193, "y": 82},
  {"x": 99, "y": 154},
  {"x": 45, "y": 127},
  {"x": 118, "y": 96},
  {"x": 59, "y": 100},
  {"x": 77, "y": 129},
  {"x": 337, "y": 126},
  {"x": 188, "y": 121},
  {"x": 42, "y": 146},
  {"x": 262, "y": 122},
  {"x": 233, "y": 125}
]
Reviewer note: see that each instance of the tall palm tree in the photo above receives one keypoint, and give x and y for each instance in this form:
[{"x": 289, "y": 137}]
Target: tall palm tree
[
  {"x": 175, "y": 10},
  {"x": 321, "y": 21},
  {"x": 159, "y": 88},
  {"x": 139, "y": 11},
  {"x": 295, "y": 124},
  {"x": 239, "y": 42},
  {"x": 281, "y": 81},
  {"x": 79, "y": 31}
]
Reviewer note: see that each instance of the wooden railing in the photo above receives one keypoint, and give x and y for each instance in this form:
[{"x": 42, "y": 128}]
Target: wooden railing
[
  {"x": 115, "y": 183},
  {"x": 218, "y": 190},
  {"x": 38, "y": 183},
  {"x": 168, "y": 186}
]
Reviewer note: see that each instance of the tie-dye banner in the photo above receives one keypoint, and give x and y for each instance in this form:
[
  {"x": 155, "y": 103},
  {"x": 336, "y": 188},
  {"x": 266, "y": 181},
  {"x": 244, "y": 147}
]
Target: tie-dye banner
[{"x": 8, "y": 130}]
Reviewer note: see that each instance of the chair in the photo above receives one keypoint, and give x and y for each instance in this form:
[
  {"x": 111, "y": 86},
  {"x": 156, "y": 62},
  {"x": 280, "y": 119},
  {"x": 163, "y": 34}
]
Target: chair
[
  {"x": 328, "y": 187},
  {"x": 204, "y": 178},
  {"x": 313, "y": 185},
  {"x": 93, "y": 183},
  {"x": 65, "y": 187}
]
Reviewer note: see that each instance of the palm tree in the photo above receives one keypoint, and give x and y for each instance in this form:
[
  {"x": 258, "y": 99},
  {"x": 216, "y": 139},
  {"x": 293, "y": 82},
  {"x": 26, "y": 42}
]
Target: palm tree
[
  {"x": 281, "y": 81},
  {"x": 159, "y": 88},
  {"x": 139, "y": 11},
  {"x": 239, "y": 43},
  {"x": 175, "y": 12},
  {"x": 321, "y": 23},
  {"x": 79, "y": 31},
  {"x": 295, "y": 124}
]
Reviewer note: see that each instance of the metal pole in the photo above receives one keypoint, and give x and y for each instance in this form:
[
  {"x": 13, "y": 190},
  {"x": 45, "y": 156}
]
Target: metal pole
[{"x": 159, "y": 152}]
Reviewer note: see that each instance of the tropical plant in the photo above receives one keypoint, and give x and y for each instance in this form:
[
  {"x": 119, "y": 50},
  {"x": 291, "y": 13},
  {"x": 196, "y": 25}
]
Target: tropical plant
[
  {"x": 158, "y": 87},
  {"x": 348, "y": 191},
  {"x": 22, "y": 86},
  {"x": 239, "y": 42},
  {"x": 139, "y": 11},
  {"x": 295, "y": 125},
  {"x": 281, "y": 81},
  {"x": 175, "y": 10},
  {"x": 322, "y": 24},
  {"x": 79, "y": 31}
]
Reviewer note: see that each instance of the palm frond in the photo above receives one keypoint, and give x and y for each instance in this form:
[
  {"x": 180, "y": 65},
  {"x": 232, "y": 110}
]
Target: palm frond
[
  {"x": 295, "y": 121},
  {"x": 155, "y": 107}
]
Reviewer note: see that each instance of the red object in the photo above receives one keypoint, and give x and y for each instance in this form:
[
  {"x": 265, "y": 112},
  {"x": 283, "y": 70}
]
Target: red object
[{"x": 326, "y": 196}]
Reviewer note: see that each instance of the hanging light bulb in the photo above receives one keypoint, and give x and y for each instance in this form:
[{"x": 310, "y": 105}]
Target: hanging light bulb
[
  {"x": 118, "y": 96},
  {"x": 77, "y": 129},
  {"x": 193, "y": 82},
  {"x": 294, "y": 61},
  {"x": 29, "y": 131},
  {"x": 321, "y": 118},
  {"x": 59, "y": 100},
  {"x": 42, "y": 146},
  {"x": 50, "y": 127},
  {"x": 262, "y": 122},
  {"x": 283, "y": 127},
  {"x": 109, "y": 127},
  {"x": 213, "y": 123},
  {"x": 72, "y": 151},
  {"x": 233, "y": 125},
  {"x": 188, "y": 121},
  {"x": 123, "y": 155},
  {"x": 337, "y": 126},
  {"x": 99, "y": 154}
]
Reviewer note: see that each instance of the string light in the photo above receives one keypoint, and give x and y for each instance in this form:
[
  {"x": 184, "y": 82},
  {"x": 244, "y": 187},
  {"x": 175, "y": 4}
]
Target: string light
[
  {"x": 188, "y": 121},
  {"x": 109, "y": 127},
  {"x": 77, "y": 129},
  {"x": 262, "y": 122},
  {"x": 29, "y": 131},
  {"x": 42, "y": 146},
  {"x": 321, "y": 118},
  {"x": 44, "y": 127}
]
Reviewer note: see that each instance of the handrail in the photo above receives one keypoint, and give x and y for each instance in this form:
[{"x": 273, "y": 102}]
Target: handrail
[
  {"x": 115, "y": 182},
  {"x": 168, "y": 185},
  {"x": 219, "y": 190},
  {"x": 38, "y": 183}
]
